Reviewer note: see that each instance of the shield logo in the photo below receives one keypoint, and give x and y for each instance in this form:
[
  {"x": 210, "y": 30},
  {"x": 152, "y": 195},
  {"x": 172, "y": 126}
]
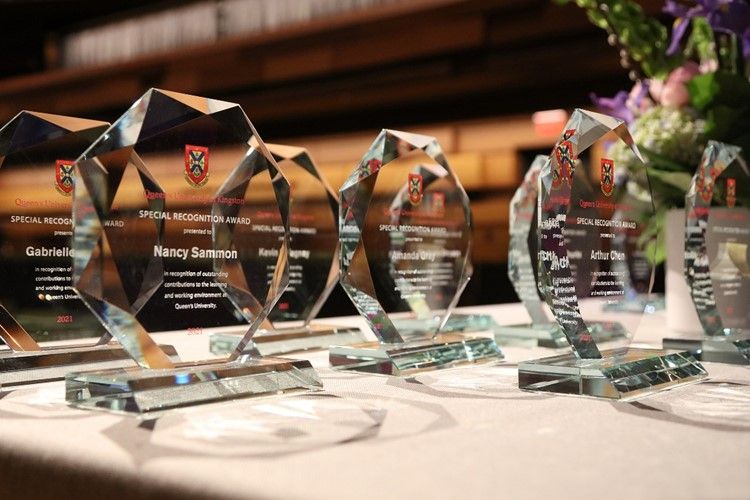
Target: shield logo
[
  {"x": 196, "y": 165},
  {"x": 556, "y": 175},
  {"x": 705, "y": 187},
  {"x": 438, "y": 202},
  {"x": 416, "y": 188},
  {"x": 64, "y": 177},
  {"x": 731, "y": 192},
  {"x": 565, "y": 160},
  {"x": 607, "y": 176}
]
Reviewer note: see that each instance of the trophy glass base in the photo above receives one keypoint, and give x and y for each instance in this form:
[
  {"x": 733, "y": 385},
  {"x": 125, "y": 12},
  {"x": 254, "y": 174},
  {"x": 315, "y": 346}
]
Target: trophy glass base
[
  {"x": 445, "y": 350},
  {"x": 53, "y": 363},
  {"x": 288, "y": 340},
  {"x": 142, "y": 391},
  {"x": 638, "y": 305},
  {"x": 551, "y": 335},
  {"x": 457, "y": 323},
  {"x": 733, "y": 349},
  {"x": 620, "y": 374}
]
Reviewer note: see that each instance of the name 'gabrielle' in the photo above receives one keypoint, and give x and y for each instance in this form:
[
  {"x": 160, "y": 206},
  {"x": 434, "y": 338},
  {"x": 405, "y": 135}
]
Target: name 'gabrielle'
[{"x": 194, "y": 252}]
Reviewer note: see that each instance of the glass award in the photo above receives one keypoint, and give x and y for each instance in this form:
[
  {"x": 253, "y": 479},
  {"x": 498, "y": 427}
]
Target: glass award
[
  {"x": 181, "y": 223},
  {"x": 405, "y": 230},
  {"x": 522, "y": 272},
  {"x": 717, "y": 255},
  {"x": 40, "y": 314},
  {"x": 578, "y": 199},
  {"x": 313, "y": 266}
]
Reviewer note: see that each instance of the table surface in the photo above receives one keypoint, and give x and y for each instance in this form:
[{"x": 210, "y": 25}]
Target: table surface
[{"x": 467, "y": 432}]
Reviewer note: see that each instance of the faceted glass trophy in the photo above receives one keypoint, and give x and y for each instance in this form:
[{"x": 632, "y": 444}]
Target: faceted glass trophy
[
  {"x": 313, "y": 266},
  {"x": 38, "y": 307},
  {"x": 522, "y": 271},
  {"x": 579, "y": 196},
  {"x": 181, "y": 223},
  {"x": 405, "y": 229},
  {"x": 717, "y": 255}
]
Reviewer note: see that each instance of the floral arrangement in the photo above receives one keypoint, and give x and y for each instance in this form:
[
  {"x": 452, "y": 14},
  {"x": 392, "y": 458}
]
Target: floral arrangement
[{"x": 690, "y": 86}]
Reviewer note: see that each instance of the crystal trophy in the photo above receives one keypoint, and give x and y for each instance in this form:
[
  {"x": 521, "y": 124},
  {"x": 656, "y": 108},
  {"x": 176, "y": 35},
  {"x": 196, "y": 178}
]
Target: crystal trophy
[
  {"x": 405, "y": 230},
  {"x": 579, "y": 195},
  {"x": 522, "y": 271},
  {"x": 181, "y": 223},
  {"x": 40, "y": 314},
  {"x": 313, "y": 266},
  {"x": 717, "y": 255}
]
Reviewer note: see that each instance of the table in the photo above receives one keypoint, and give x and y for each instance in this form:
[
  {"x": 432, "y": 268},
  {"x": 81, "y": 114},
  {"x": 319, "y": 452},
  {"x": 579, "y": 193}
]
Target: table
[{"x": 461, "y": 433}]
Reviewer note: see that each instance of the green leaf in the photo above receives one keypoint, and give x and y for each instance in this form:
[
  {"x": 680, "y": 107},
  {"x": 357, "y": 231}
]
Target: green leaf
[
  {"x": 680, "y": 180},
  {"x": 661, "y": 162},
  {"x": 702, "y": 90}
]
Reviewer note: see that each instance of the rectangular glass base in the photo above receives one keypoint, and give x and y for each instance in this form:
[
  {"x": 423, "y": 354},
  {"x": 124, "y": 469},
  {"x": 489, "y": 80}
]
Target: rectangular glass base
[
  {"x": 551, "y": 335},
  {"x": 733, "y": 350},
  {"x": 443, "y": 351},
  {"x": 620, "y": 373},
  {"x": 287, "y": 340},
  {"x": 140, "y": 391},
  {"x": 53, "y": 363},
  {"x": 457, "y": 323}
]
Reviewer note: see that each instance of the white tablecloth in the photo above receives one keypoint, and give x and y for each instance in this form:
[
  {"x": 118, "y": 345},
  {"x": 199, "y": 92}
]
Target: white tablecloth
[{"x": 460, "y": 433}]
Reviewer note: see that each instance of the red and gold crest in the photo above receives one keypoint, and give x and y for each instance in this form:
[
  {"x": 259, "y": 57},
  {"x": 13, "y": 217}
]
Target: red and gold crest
[
  {"x": 731, "y": 192},
  {"x": 565, "y": 159},
  {"x": 607, "y": 176},
  {"x": 196, "y": 165},
  {"x": 705, "y": 187},
  {"x": 64, "y": 177},
  {"x": 438, "y": 202},
  {"x": 416, "y": 188}
]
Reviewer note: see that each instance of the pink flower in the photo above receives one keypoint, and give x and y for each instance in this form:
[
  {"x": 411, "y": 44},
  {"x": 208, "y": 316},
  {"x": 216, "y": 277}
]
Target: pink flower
[
  {"x": 673, "y": 91},
  {"x": 638, "y": 100}
]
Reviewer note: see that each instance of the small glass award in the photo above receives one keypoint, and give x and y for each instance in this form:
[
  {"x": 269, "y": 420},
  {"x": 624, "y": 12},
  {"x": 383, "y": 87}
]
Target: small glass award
[
  {"x": 181, "y": 223},
  {"x": 38, "y": 308},
  {"x": 717, "y": 255},
  {"x": 580, "y": 195},
  {"x": 313, "y": 266},
  {"x": 405, "y": 229},
  {"x": 522, "y": 271}
]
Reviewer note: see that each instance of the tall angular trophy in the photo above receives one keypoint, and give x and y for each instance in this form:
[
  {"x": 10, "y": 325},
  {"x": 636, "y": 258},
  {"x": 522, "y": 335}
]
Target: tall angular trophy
[
  {"x": 313, "y": 266},
  {"x": 717, "y": 255},
  {"x": 522, "y": 271},
  {"x": 405, "y": 229},
  {"x": 38, "y": 308},
  {"x": 181, "y": 219},
  {"x": 579, "y": 194}
]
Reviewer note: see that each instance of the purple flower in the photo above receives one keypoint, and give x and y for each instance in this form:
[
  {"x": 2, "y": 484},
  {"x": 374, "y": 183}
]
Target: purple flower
[
  {"x": 614, "y": 106},
  {"x": 728, "y": 16}
]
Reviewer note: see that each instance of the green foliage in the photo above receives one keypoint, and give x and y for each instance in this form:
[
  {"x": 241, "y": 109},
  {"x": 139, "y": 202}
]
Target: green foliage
[
  {"x": 724, "y": 98},
  {"x": 644, "y": 38}
]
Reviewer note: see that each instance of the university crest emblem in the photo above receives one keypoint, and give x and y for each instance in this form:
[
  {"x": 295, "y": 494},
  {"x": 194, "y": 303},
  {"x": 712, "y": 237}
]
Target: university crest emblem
[
  {"x": 607, "y": 176},
  {"x": 564, "y": 160},
  {"x": 731, "y": 192},
  {"x": 416, "y": 188},
  {"x": 438, "y": 202},
  {"x": 196, "y": 165},
  {"x": 64, "y": 177}
]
